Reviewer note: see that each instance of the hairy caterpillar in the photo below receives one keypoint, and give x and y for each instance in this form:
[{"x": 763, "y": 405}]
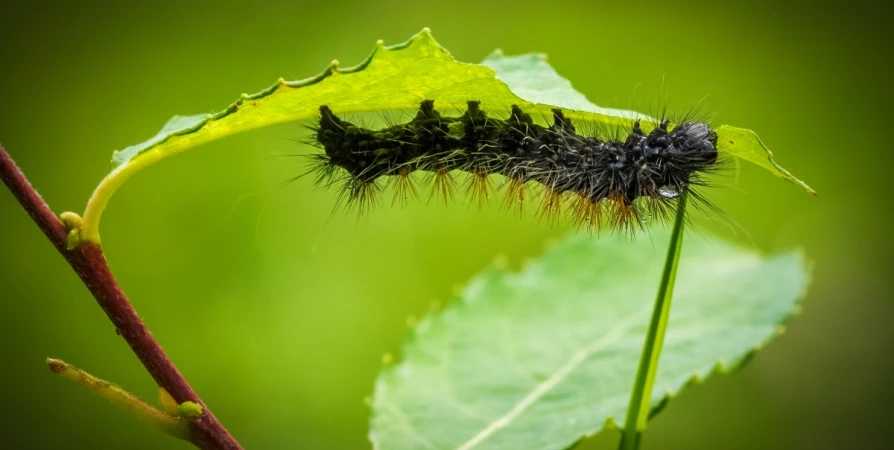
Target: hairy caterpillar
[{"x": 624, "y": 179}]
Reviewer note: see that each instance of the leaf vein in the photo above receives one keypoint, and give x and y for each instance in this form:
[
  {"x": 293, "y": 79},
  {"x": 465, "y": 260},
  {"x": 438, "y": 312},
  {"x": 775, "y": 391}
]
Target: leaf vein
[{"x": 576, "y": 360}]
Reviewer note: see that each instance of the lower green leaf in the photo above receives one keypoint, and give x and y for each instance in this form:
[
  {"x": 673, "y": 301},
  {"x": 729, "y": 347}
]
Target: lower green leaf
[{"x": 541, "y": 358}]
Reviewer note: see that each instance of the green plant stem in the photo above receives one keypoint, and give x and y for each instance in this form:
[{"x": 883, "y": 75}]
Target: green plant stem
[
  {"x": 641, "y": 398},
  {"x": 169, "y": 424}
]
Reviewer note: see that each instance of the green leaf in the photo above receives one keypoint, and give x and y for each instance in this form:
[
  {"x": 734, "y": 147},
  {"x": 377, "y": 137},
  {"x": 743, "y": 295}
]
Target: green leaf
[
  {"x": 176, "y": 126},
  {"x": 390, "y": 79},
  {"x": 531, "y": 77},
  {"x": 399, "y": 77},
  {"x": 541, "y": 358},
  {"x": 395, "y": 78}
]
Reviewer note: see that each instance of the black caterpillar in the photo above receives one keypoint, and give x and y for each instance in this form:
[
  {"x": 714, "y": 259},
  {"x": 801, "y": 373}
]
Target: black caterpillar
[{"x": 628, "y": 179}]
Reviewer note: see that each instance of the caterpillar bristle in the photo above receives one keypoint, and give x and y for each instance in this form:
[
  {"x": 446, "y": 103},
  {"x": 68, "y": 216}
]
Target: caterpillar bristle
[
  {"x": 625, "y": 214},
  {"x": 478, "y": 186},
  {"x": 324, "y": 171},
  {"x": 658, "y": 210},
  {"x": 551, "y": 204},
  {"x": 623, "y": 181},
  {"x": 587, "y": 212},
  {"x": 442, "y": 186},
  {"x": 363, "y": 195},
  {"x": 404, "y": 187},
  {"x": 514, "y": 199}
]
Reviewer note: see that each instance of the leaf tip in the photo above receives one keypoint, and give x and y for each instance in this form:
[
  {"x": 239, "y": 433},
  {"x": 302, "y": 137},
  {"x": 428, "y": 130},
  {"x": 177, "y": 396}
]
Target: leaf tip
[
  {"x": 609, "y": 424},
  {"x": 424, "y": 40},
  {"x": 784, "y": 173},
  {"x": 422, "y": 35},
  {"x": 56, "y": 366},
  {"x": 333, "y": 66},
  {"x": 780, "y": 330}
]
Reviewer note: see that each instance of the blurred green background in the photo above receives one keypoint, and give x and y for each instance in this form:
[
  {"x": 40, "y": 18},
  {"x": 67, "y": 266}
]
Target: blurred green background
[{"x": 278, "y": 312}]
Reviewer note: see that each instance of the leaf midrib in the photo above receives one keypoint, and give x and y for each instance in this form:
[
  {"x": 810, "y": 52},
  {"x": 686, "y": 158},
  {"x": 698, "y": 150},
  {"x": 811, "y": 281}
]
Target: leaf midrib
[{"x": 577, "y": 358}]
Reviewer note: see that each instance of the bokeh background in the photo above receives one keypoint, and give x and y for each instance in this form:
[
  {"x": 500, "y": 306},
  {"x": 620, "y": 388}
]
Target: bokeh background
[{"x": 279, "y": 312}]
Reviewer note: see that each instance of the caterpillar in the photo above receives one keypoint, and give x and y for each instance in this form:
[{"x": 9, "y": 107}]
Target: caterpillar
[{"x": 622, "y": 181}]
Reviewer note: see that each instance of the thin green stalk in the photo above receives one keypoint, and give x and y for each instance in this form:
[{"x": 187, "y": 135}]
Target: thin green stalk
[
  {"x": 169, "y": 424},
  {"x": 640, "y": 399}
]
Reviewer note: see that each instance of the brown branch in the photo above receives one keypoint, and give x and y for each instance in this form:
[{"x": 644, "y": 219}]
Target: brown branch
[{"x": 90, "y": 265}]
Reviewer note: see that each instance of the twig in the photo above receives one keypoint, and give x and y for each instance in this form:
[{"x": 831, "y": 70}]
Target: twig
[
  {"x": 174, "y": 426},
  {"x": 206, "y": 432}
]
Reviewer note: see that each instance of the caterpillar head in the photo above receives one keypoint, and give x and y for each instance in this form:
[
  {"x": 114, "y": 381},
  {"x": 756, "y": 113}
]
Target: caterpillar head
[{"x": 698, "y": 140}]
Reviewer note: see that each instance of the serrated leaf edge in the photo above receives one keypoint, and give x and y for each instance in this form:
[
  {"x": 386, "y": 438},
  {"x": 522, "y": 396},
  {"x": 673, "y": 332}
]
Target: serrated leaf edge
[
  {"x": 782, "y": 172},
  {"x": 332, "y": 69},
  {"x": 719, "y": 368}
]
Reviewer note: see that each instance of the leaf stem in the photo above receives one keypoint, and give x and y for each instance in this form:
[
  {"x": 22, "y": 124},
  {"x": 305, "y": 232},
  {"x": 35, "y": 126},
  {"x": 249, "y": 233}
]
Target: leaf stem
[
  {"x": 89, "y": 263},
  {"x": 109, "y": 185},
  {"x": 641, "y": 398},
  {"x": 119, "y": 397}
]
